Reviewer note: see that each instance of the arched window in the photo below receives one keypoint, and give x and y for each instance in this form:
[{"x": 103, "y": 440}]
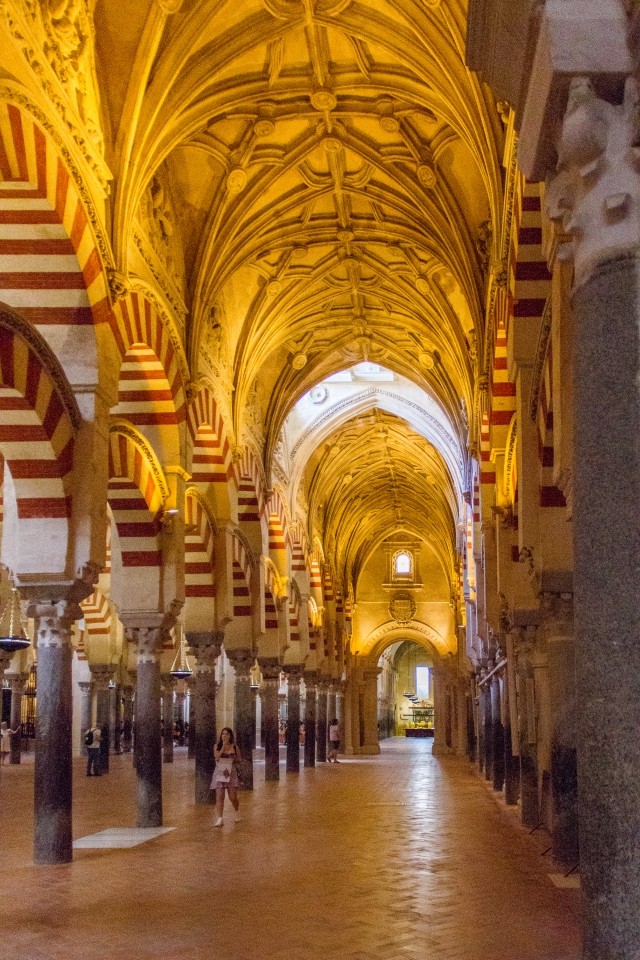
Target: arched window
[{"x": 403, "y": 564}]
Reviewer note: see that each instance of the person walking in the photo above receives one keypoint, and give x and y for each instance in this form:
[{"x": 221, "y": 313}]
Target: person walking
[
  {"x": 334, "y": 741},
  {"x": 225, "y": 776},
  {"x": 92, "y": 743}
]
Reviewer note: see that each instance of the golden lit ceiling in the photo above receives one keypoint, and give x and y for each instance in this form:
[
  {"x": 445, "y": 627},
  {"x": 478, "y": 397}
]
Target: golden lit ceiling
[{"x": 333, "y": 170}]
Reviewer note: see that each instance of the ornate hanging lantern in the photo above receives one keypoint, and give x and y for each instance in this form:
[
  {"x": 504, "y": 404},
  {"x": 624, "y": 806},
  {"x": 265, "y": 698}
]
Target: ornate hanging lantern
[
  {"x": 13, "y": 629},
  {"x": 181, "y": 669}
]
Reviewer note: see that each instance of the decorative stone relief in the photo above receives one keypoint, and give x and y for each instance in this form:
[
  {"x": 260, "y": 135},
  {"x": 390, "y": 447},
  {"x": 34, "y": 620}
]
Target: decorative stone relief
[
  {"x": 598, "y": 177},
  {"x": 402, "y": 607}
]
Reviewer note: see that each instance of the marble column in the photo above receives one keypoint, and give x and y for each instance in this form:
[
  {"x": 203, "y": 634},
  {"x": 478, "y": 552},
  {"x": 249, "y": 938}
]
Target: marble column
[
  {"x": 559, "y": 631},
  {"x": 523, "y": 644},
  {"x": 53, "y": 765},
  {"x": 511, "y": 762},
  {"x": 193, "y": 732},
  {"x": 479, "y": 720},
  {"x": 340, "y": 694},
  {"x": 127, "y": 718},
  {"x": 244, "y": 716},
  {"x": 180, "y": 701},
  {"x": 101, "y": 674},
  {"x": 206, "y": 647},
  {"x": 321, "y": 722},
  {"x": 167, "y": 685},
  {"x": 439, "y": 703},
  {"x": 332, "y": 704},
  {"x": 371, "y": 744},
  {"x": 595, "y": 194},
  {"x": 488, "y": 729},
  {"x": 310, "y": 680},
  {"x": 86, "y": 689},
  {"x": 148, "y": 726},
  {"x": 293, "y": 718},
  {"x": 498, "y": 733},
  {"x": 270, "y": 670},
  {"x": 15, "y": 741}
]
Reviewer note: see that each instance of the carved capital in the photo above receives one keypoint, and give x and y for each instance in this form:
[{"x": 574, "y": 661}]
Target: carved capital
[
  {"x": 241, "y": 660},
  {"x": 101, "y": 674},
  {"x": 269, "y": 668},
  {"x": 598, "y": 176},
  {"x": 206, "y": 647}
]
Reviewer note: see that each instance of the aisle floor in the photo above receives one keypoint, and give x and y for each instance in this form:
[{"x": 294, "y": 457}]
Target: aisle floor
[{"x": 404, "y": 855}]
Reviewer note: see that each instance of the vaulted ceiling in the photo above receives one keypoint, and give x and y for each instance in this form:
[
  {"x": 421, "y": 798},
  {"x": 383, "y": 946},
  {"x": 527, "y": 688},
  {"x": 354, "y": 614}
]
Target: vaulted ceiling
[{"x": 334, "y": 174}]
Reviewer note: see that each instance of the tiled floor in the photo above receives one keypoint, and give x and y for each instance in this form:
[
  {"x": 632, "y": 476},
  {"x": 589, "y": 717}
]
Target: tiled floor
[{"x": 399, "y": 856}]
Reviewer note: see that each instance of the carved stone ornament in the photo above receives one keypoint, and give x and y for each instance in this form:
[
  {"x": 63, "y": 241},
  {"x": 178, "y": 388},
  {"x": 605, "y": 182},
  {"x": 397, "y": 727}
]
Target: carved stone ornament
[
  {"x": 402, "y": 607},
  {"x": 598, "y": 176}
]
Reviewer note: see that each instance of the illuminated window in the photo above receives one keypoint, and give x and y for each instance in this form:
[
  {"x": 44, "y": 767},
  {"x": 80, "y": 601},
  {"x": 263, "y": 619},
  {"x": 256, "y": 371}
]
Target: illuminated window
[{"x": 403, "y": 564}]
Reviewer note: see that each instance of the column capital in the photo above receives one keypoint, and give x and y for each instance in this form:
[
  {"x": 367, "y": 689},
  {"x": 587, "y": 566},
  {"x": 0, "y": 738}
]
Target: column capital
[
  {"x": 294, "y": 672},
  {"x": 270, "y": 668},
  {"x": 310, "y": 678},
  {"x": 592, "y": 193},
  {"x": 101, "y": 675},
  {"x": 206, "y": 648},
  {"x": 17, "y": 681},
  {"x": 54, "y": 622},
  {"x": 241, "y": 660}
]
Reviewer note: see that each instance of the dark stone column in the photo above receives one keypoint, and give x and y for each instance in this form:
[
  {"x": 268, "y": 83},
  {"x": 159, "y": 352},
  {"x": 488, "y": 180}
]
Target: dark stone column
[
  {"x": 332, "y": 704},
  {"x": 480, "y": 724},
  {"x": 270, "y": 670},
  {"x": 488, "y": 733},
  {"x": 15, "y": 741},
  {"x": 310, "y": 680},
  {"x": 53, "y": 766},
  {"x": 127, "y": 718},
  {"x": 321, "y": 722},
  {"x": 86, "y": 713},
  {"x": 527, "y": 733},
  {"x": 206, "y": 648},
  {"x": 293, "y": 719},
  {"x": 167, "y": 687},
  {"x": 101, "y": 674},
  {"x": 498, "y": 735},
  {"x": 244, "y": 714},
  {"x": 148, "y": 723},
  {"x": 191, "y": 746}
]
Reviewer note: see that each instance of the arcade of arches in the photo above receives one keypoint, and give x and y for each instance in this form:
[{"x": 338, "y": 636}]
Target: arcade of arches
[{"x": 318, "y": 364}]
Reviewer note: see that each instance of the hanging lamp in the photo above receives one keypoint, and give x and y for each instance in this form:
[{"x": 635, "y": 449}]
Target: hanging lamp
[
  {"x": 181, "y": 669},
  {"x": 13, "y": 631}
]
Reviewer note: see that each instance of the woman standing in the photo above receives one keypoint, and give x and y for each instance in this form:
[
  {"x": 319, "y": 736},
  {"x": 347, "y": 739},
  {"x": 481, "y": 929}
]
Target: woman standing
[
  {"x": 5, "y": 743},
  {"x": 225, "y": 776}
]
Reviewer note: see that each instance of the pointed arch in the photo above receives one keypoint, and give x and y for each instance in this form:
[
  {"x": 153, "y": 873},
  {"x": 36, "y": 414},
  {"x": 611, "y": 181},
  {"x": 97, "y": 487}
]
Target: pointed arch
[{"x": 199, "y": 565}]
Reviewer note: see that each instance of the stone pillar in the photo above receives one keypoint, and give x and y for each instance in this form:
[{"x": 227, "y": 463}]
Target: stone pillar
[
  {"x": 498, "y": 733},
  {"x": 488, "y": 729},
  {"x": 148, "y": 723},
  {"x": 127, "y": 718},
  {"x": 53, "y": 766},
  {"x": 439, "y": 704},
  {"x": 293, "y": 718},
  {"x": 479, "y": 718},
  {"x": 86, "y": 719},
  {"x": 167, "y": 687},
  {"x": 523, "y": 645},
  {"x": 180, "y": 701},
  {"x": 244, "y": 716},
  {"x": 462, "y": 742},
  {"x": 321, "y": 722},
  {"x": 559, "y": 632},
  {"x": 191, "y": 746},
  {"x": 332, "y": 704},
  {"x": 15, "y": 741},
  {"x": 270, "y": 670},
  {"x": 371, "y": 744},
  {"x": 339, "y": 712},
  {"x": 206, "y": 648},
  {"x": 310, "y": 680},
  {"x": 101, "y": 674},
  {"x": 511, "y": 763}
]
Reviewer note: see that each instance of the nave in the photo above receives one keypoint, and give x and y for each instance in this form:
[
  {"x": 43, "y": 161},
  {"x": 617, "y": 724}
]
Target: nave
[{"x": 400, "y": 856}]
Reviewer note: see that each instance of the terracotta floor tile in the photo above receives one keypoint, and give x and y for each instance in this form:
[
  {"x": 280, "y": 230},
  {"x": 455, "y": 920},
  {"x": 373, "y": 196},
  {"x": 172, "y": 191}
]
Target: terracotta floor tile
[{"x": 399, "y": 857}]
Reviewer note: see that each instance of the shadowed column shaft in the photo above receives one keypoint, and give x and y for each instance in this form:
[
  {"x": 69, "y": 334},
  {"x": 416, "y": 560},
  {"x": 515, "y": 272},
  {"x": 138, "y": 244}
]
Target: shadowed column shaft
[
  {"x": 321, "y": 724},
  {"x": 293, "y": 723},
  {"x": 310, "y": 723},
  {"x": 148, "y": 742}
]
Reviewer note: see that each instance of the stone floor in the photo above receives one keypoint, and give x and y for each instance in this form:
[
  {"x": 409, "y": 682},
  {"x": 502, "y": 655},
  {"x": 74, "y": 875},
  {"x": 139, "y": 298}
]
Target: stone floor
[{"x": 399, "y": 856}]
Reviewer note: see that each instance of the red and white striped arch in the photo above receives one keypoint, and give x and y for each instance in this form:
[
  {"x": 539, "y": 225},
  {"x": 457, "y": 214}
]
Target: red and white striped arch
[
  {"x": 97, "y": 619},
  {"x": 209, "y": 459},
  {"x": 241, "y": 580},
  {"x": 150, "y": 389},
  {"x": 136, "y": 500},
  {"x": 199, "y": 567},
  {"x": 38, "y": 421},
  {"x": 278, "y": 533},
  {"x": 50, "y": 269}
]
